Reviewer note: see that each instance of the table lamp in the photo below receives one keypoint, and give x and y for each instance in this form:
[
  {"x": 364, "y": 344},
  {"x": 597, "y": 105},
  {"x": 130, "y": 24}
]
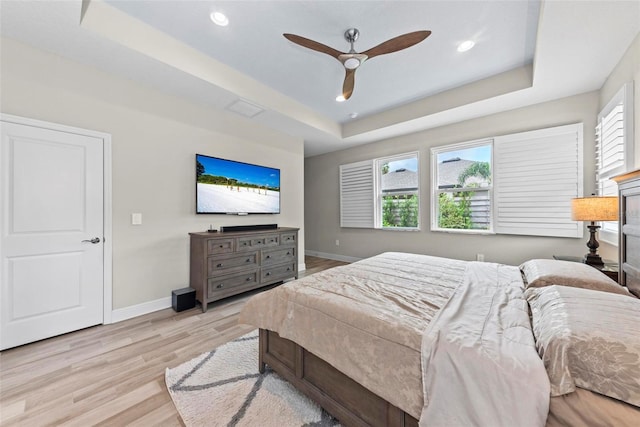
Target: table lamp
[{"x": 594, "y": 208}]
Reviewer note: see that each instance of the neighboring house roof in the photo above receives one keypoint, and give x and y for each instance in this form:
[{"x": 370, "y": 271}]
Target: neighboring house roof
[
  {"x": 401, "y": 179},
  {"x": 450, "y": 170}
]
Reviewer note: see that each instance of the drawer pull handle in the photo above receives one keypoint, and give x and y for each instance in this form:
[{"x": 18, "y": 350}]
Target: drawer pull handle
[
  {"x": 221, "y": 285},
  {"x": 248, "y": 260},
  {"x": 268, "y": 256},
  {"x": 288, "y": 253},
  {"x": 244, "y": 243},
  {"x": 219, "y": 265},
  {"x": 268, "y": 274},
  {"x": 288, "y": 268},
  {"x": 248, "y": 279},
  {"x": 222, "y": 246}
]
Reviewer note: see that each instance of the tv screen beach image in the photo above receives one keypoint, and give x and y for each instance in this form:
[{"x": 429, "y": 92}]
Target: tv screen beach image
[{"x": 224, "y": 186}]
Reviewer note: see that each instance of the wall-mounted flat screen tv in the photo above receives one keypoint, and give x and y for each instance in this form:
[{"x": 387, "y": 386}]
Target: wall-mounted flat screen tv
[{"x": 230, "y": 187}]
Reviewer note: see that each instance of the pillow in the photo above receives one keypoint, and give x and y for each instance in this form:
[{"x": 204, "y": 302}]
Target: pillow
[
  {"x": 588, "y": 339},
  {"x": 544, "y": 272}
]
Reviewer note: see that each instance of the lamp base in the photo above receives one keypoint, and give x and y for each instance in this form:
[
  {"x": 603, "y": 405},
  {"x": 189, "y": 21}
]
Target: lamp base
[{"x": 594, "y": 260}]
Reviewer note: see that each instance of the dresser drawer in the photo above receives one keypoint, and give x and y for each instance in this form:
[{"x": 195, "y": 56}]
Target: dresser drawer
[
  {"x": 231, "y": 262},
  {"x": 287, "y": 238},
  {"x": 279, "y": 272},
  {"x": 272, "y": 240},
  {"x": 251, "y": 243},
  {"x": 220, "y": 284},
  {"x": 220, "y": 246},
  {"x": 257, "y": 242},
  {"x": 278, "y": 256}
]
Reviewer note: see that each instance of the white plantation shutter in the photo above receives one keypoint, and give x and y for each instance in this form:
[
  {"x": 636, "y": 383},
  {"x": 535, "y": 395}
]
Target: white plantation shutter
[
  {"x": 610, "y": 143},
  {"x": 614, "y": 149},
  {"x": 357, "y": 195},
  {"x": 536, "y": 174}
]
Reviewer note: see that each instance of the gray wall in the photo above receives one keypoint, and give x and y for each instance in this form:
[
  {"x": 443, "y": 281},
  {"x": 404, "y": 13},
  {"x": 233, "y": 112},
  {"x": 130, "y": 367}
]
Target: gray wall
[
  {"x": 322, "y": 201},
  {"x": 154, "y": 138}
]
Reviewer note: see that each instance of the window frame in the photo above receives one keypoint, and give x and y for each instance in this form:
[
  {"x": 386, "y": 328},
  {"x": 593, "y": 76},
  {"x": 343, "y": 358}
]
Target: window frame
[
  {"x": 609, "y": 230},
  {"x": 435, "y": 191},
  {"x": 378, "y": 200}
]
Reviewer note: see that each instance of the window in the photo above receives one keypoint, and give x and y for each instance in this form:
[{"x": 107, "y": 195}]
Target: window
[
  {"x": 381, "y": 193},
  {"x": 614, "y": 145},
  {"x": 514, "y": 184},
  {"x": 462, "y": 195},
  {"x": 397, "y": 198}
]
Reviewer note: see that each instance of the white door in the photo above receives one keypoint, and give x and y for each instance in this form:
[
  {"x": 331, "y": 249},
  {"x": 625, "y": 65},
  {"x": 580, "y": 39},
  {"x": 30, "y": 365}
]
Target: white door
[{"x": 51, "y": 246}]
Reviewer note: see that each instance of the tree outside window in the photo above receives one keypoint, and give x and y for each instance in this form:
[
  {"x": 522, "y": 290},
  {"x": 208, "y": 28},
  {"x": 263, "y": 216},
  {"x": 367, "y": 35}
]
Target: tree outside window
[{"x": 398, "y": 198}]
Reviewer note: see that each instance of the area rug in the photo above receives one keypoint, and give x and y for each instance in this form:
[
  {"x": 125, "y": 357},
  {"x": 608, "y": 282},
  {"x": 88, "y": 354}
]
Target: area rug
[{"x": 224, "y": 388}]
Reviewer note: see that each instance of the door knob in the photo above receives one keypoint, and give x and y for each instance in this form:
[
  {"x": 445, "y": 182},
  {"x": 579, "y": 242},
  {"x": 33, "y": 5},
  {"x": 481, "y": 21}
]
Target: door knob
[{"x": 94, "y": 240}]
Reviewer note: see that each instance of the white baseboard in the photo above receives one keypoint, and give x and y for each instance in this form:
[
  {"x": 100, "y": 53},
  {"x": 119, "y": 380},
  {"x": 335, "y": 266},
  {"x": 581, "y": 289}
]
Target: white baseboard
[
  {"x": 132, "y": 311},
  {"x": 335, "y": 257}
]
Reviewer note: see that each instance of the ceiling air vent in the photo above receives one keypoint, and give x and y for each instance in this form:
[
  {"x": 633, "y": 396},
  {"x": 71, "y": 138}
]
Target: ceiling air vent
[{"x": 245, "y": 108}]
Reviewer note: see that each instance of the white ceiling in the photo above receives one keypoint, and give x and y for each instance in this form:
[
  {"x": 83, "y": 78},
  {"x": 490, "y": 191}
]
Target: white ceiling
[{"x": 526, "y": 52}]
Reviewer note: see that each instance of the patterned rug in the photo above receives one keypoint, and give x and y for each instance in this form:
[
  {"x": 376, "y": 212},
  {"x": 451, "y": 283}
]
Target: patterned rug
[{"x": 224, "y": 388}]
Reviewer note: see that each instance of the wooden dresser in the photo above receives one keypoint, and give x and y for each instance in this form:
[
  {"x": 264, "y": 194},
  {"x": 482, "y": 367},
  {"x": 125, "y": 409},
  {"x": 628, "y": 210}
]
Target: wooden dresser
[
  {"x": 228, "y": 263},
  {"x": 629, "y": 244}
]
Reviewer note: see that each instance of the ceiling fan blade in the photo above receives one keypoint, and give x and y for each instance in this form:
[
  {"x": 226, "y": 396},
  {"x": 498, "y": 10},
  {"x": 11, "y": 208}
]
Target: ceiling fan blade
[
  {"x": 397, "y": 43},
  {"x": 349, "y": 82},
  {"x": 313, "y": 45}
]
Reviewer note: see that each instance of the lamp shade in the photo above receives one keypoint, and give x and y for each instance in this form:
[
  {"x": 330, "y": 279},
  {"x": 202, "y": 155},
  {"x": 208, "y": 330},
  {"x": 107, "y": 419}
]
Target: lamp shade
[{"x": 594, "y": 208}]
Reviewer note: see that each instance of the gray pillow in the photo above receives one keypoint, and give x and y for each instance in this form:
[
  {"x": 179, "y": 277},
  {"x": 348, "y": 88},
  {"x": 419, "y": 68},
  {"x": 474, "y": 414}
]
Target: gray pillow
[
  {"x": 588, "y": 339},
  {"x": 545, "y": 272}
]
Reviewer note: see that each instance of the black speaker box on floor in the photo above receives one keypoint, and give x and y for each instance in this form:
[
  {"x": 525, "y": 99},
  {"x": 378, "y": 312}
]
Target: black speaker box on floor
[{"x": 183, "y": 299}]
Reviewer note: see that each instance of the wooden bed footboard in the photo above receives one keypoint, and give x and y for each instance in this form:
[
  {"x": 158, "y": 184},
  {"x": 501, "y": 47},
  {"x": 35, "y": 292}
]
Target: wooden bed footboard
[{"x": 338, "y": 394}]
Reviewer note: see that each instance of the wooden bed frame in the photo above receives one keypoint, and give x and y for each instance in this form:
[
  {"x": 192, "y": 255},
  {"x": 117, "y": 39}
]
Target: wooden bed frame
[{"x": 338, "y": 394}]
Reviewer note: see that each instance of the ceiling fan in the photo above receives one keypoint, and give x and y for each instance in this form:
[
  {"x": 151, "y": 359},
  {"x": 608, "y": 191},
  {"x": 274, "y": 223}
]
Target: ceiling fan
[{"x": 352, "y": 60}]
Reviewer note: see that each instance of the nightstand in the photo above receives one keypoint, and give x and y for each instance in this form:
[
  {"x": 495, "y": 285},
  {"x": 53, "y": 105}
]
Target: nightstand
[{"x": 610, "y": 268}]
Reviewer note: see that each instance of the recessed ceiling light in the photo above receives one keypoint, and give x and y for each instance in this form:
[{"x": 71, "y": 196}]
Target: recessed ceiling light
[
  {"x": 219, "y": 18},
  {"x": 353, "y": 115},
  {"x": 340, "y": 98},
  {"x": 466, "y": 45}
]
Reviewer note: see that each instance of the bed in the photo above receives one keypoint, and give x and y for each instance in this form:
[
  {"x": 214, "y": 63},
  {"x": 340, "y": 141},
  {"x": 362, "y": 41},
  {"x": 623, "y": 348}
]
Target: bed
[
  {"x": 406, "y": 339},
  {"x": 368, "y": 342}
]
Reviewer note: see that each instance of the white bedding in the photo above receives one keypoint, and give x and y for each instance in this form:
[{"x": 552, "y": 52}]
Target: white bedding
[{"x": 479, "y": 361}]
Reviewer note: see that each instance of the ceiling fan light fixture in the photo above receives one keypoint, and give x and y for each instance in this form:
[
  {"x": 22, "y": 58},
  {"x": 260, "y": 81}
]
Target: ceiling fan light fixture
[
  {"x": 352, "y": 63},
  {"x": 352, "y": 60},
  {"x": 466, "y": 45},
  {"x": 219, "y": 18}
]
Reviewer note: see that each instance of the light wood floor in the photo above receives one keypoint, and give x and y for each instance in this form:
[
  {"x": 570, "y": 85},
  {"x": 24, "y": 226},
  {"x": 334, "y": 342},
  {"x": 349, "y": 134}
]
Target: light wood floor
[{"x": 114, "y": 374}]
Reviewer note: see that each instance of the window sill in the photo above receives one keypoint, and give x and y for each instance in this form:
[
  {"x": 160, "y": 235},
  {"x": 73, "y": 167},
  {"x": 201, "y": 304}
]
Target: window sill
[
  {"x": 398, "y": 229},
  {"x": 461, "y": 231}
]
